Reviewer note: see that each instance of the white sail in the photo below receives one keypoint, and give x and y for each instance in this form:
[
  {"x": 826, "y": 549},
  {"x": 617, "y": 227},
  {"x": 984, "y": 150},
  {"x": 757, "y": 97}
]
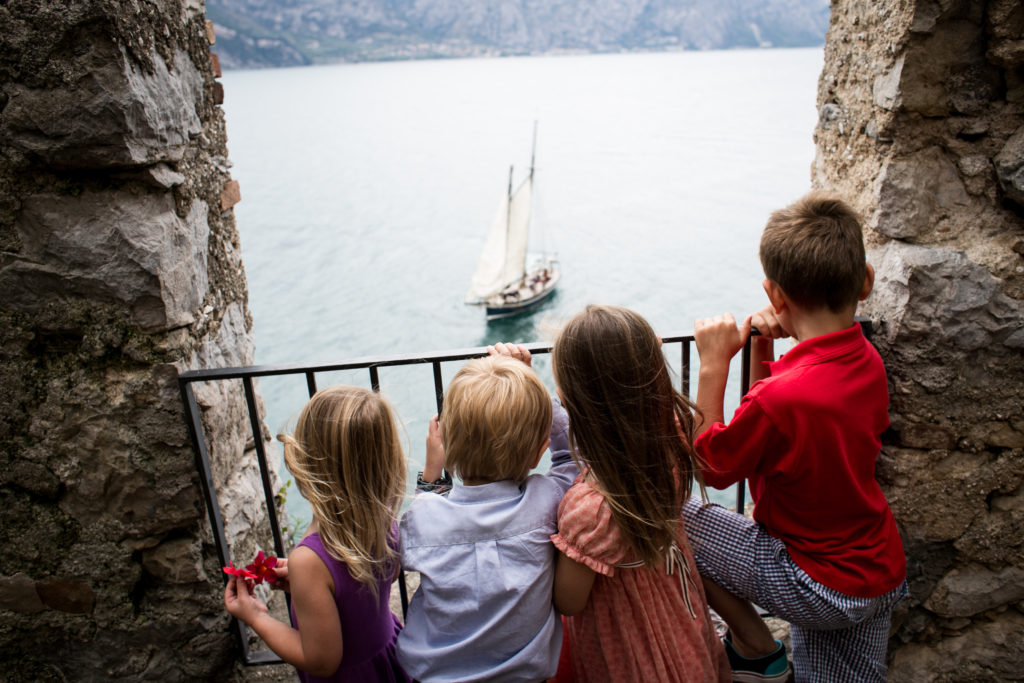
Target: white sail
[
  {"x": 518, "y": 232},
  {"x": 503, "y": 260}
]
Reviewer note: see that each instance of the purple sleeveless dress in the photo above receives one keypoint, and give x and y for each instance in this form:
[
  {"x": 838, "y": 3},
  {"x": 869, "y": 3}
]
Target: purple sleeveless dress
[{"x": 368, "y": 628}]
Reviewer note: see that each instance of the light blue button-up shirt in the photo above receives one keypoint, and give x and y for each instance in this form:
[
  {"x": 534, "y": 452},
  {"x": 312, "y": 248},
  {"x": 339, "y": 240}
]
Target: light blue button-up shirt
[{"x": 483, "y": 610}]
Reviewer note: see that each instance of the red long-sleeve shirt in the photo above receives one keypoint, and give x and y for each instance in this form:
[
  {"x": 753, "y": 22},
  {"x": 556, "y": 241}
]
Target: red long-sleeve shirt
[{"x": 807, "y": 438}]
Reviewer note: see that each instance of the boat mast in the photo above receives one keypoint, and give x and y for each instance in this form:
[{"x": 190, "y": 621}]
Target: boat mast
[
  {"x": 508, "y": 212},
  {"x": 533, "y": 150},
  {"x": 533, "y": 157}
]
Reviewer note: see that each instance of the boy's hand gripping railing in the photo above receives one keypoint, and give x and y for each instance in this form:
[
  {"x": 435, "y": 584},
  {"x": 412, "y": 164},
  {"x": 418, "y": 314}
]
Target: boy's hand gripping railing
[{"x": 372, "y": 365}]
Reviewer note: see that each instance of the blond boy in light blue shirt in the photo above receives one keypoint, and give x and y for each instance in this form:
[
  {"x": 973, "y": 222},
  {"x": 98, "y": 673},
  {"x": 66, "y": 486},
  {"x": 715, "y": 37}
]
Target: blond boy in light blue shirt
[{"x": 483, "y": 610}]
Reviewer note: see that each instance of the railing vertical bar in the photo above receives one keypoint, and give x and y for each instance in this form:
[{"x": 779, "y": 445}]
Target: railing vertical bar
[
  {"x": 403, "y": 589},
  {"x": 202, "y": 457},
  {"x": 745, "y": 369},
  {"x": 403, "y": 593},
  {"x": 261, "y": 456},
  {"x": 741, "y": 486},
  {"x": 438, "y": 386},
  {"x": 311, "y": 383},
  {"x": 195, "y": 431},
  {"x": 685, "y": 372}
]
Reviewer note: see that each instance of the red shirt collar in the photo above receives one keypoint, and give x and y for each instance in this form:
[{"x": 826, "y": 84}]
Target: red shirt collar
[{"x": 819, "y": 349}]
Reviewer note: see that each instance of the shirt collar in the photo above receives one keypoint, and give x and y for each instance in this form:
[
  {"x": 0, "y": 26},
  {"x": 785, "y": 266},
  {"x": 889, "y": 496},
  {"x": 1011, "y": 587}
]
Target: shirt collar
[
  {"x": 819, "y": 349},
  {"x": 496, "y": 490}
]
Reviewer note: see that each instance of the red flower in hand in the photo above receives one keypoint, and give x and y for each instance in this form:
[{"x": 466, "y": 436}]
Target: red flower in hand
[
  {"x": 262, "y": 568},
  {"x": 248, "y": 576}
]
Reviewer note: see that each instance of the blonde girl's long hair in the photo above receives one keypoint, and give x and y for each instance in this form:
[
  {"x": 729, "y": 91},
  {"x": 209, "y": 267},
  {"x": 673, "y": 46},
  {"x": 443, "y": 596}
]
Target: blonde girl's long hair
[
  {"x": 628, "y": 424},
  {"x": 347, "y": 461}
]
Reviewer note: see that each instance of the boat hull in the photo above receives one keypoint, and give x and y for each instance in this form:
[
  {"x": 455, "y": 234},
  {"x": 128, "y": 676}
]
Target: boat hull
[{"x": 529, "y": 297}]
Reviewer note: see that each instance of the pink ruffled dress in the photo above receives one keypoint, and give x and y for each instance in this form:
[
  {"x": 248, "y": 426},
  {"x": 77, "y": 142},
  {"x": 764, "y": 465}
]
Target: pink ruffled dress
[{"x": 640, "y": 623}]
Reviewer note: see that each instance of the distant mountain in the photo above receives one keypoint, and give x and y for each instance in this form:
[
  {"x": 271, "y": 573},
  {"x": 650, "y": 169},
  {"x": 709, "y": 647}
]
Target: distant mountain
[{"x": 257, "y": 33}]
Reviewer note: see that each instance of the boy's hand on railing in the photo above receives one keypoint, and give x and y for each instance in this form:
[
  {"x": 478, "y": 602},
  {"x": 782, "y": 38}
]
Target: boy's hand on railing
[
  {"x": 434, "y": 466},
  {"x": 517, "y": 351},
  {"x": 718, "y": 339},
  {"x": 768, "y": 323},
  {"x": 762, "y": 346}
]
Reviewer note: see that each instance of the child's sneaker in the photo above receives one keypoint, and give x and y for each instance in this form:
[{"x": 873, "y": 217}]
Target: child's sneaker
[{"x": 771, "y": 668}]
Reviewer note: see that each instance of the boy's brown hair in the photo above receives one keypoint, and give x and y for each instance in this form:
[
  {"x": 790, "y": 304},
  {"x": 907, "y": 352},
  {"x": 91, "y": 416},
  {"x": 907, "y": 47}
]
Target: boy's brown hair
[
  {"x": 496, "y": 417},
  {"x": 814, "y": 250}
]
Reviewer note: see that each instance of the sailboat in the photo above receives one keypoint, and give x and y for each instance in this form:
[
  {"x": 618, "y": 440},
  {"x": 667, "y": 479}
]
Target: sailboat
[{"x": 502, "y": 282}]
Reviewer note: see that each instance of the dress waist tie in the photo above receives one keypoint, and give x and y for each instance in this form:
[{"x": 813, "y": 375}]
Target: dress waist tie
[{"x": 674, "y": 560}]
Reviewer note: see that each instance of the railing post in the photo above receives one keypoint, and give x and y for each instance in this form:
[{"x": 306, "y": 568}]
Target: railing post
[
  {"x": 741, "y": 486},
  {"x": 685, "y": 370},
  {"x": 403, "y": 593},
  {"x": 438, "y": 386},
  {"x": 744, "y": 385},
  {"x": 261, "y": 456},
  {"x": 202, "y": 457}
]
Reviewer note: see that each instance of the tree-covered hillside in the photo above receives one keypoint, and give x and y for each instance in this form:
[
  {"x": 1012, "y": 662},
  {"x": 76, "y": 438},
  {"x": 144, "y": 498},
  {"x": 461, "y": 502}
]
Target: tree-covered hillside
[{"x": 254, "y": 33}]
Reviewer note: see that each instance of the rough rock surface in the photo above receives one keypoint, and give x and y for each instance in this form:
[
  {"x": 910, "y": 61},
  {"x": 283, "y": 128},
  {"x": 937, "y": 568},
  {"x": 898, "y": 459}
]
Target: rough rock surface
[
  {"x": 119, "y": 269},
  {"x": 921, "y": 106},
  {"x": 120, "y": 265}
]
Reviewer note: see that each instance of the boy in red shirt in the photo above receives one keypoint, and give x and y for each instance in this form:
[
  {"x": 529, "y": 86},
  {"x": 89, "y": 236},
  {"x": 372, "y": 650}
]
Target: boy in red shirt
[{"x": 822, "y": 550}]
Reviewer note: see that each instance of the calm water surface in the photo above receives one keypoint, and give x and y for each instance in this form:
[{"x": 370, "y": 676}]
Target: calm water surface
[{"x": 368, "y": 189}]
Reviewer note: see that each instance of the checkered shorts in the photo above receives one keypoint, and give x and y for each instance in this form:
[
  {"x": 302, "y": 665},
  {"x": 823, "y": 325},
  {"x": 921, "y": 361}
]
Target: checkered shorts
[{"x": 835, "y": 637}]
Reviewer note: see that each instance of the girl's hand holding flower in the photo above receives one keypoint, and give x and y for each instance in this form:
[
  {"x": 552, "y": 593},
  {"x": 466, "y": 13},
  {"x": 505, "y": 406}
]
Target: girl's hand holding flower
[
  {"x": 261, "y": 569},
  {"x": 238, "y": 593},
  {"x": 240, "y": 602},
  {"x": 281, "y": 582}
]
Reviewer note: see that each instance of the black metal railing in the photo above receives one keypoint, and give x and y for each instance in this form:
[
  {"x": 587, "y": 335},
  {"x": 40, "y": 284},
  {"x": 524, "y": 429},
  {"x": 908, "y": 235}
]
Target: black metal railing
[{"x": 373, "y": 365}]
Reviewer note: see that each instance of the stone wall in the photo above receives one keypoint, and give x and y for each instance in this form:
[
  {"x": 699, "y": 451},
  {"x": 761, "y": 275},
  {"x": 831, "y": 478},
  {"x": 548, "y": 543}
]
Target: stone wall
[
  {"x": 119, "y": 267},
  {"x": 921, "y": 125}
]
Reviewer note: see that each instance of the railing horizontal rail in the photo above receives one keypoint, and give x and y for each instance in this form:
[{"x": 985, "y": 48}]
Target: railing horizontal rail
[{"x": 366, "y": 362}]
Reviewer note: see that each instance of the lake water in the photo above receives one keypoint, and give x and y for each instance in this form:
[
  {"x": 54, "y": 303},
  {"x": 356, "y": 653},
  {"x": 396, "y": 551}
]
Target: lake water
[{"x": 367, "y": 191}]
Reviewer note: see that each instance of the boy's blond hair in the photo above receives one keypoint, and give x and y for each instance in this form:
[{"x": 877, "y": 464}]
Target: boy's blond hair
[
  {"x": 496, "y": 417},
  {"x": 814, "y": 250}
]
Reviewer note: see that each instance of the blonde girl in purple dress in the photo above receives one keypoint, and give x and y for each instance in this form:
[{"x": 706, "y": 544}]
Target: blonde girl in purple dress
[{"x": 347, "y": 461}]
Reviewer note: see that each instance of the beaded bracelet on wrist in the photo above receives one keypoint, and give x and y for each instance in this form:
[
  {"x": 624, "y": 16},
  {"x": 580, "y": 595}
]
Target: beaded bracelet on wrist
[{"x": 439, "y": 486}]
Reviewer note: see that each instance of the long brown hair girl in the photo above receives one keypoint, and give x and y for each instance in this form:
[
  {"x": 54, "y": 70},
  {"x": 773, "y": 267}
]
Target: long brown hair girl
[
  {"x": 631, "y": 427},
  {"x": 625, "y": 575}
]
